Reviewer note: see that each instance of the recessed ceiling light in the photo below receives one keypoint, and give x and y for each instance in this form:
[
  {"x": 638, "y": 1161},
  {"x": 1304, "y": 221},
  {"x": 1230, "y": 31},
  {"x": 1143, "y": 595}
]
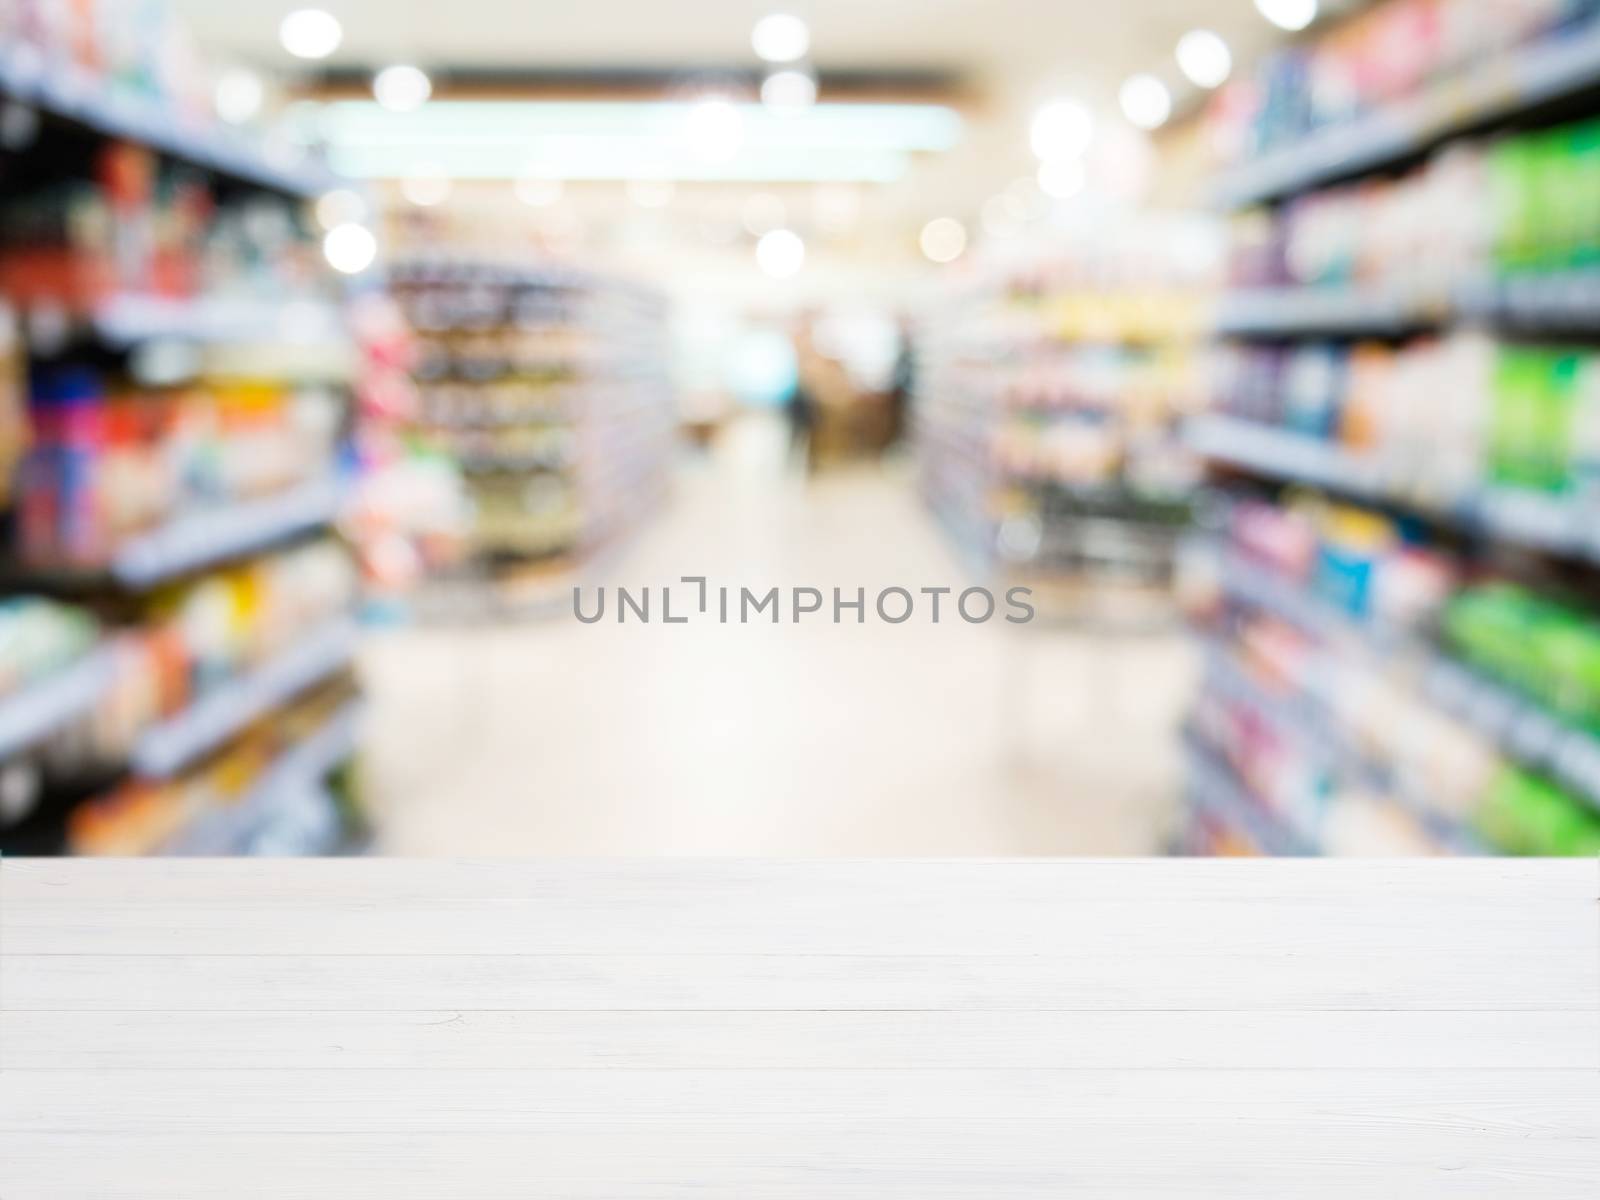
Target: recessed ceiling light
[
  {"x": 780, "y": 253},
  {"x": 943, "y": 239},
  {"x": 1293, "y": 15},
  {"x": 1145, "y": 101},
  {"x": 1204, "y": 57},
  {"x": 350, "y": 248},
  {"x": 426, "y": 186},
  {"x": 789, "y": 89},
  {"x": 310, "y": 33},
  {"x": 402, "y": 88},
  {"x": 714, "y": 130},
  {"x": 238, "y": 95},
  {"x": 781, "y": 38},
  {"x": 1061, "y": 129}
]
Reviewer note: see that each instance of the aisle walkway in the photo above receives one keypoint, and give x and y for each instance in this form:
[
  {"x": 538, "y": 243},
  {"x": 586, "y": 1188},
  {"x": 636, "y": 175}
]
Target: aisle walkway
[{"x": 555, "y": 737}]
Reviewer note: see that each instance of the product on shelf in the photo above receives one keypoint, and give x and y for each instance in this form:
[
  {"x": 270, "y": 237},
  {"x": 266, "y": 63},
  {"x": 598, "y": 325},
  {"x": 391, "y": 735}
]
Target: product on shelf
[
  {"x": 38, "y": 639},
  {"x": 1440, "y": 419},
  {"x": 264, "y": 791},
  {"x": 1376, "y": 59},
  {"x": 108, "y": 459},
  {"x": 1341, "y": 701},
  {"x": 547, "y": 389},
  {"x": 1049, "y": 397}
]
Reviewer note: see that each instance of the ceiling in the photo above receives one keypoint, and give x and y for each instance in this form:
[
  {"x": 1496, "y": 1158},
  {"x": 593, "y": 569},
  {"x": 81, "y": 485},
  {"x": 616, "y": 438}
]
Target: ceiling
[{"x": 995, "y": 42}]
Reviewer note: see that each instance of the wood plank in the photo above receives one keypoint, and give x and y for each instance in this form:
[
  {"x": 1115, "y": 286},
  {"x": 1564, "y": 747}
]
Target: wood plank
[
  {"x": 895, "y": 882},
  {"x": 794, "y": 1040},
  {"x": 1508, "y": 1103},
  {"x": 1325, "y": 973},
  {"x": 804, "y": 1159}
]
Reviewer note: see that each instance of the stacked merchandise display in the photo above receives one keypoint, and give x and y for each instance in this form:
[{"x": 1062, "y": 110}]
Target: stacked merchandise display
[
  {"x": 1402, "y": 652},
  {"x": 548, "y": 388},
  {"x": 1048, "y": 404},
  {"x": 177, "y": 634}
]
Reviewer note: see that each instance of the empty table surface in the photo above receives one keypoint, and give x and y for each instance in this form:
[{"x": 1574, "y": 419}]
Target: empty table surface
[{"x": 899, "y": 1030}]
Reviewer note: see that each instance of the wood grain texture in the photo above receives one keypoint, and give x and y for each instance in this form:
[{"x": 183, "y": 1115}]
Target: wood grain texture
[{"x": 897, "y": 1030}]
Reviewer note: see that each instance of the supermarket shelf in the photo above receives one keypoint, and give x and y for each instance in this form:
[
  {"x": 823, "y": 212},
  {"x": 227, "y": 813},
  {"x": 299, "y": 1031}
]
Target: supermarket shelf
[
  {"x": 1215, "y": 790},
  {"x": 211, "y": 721},
  {"x": 297, "y": 770},
  {"x": 1543, "y": 73},
  {"x": 204, "y": 538},
  {"x": 70, "y": 93},
  {"x": 41, "y": 708},
  {"x": 1548, "y": 302},
  {"x": 1352, "y": 311},
  {"x": 1306, "y": 721},
  {"x": 1528, "y": 519},
  {"x": 1282, "y": 455},
  {"x": 1521, "y": 730},
  {"x": 129, "y": 319}
]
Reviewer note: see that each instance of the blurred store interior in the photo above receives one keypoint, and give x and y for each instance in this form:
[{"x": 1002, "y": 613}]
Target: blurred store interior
[{"x": 353, "y": 357}]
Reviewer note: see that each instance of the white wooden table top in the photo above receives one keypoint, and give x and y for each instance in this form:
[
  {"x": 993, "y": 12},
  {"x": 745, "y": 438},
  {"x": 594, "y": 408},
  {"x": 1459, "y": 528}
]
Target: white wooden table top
[{"x": 904, "y": 1030}]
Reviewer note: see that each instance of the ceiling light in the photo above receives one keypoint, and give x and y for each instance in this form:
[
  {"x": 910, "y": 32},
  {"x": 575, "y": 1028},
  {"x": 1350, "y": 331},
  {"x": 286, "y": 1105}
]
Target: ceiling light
[
  {"x": 350, "y": 248},
  {"x": 310, "y": 33},
  {"x": 537, "y": 191},
  {"x": 714, "y": 129},
  {"x": 789, "y": 89},
  {"x": 1293, "y": 15},
  {"x": 238, "y": 95},
  {"x": 650, "y": 193},
  {"x": 780, "y": 253},
  {"x": 762, "y": 212},
  {"x": 781, "y": 38},
  {"x": 342, "y": 206},
  {"x": 402, "y": 88},
  {"x": 1204, "y": 58},
  {"x": 943, "y": 239},
  {"x": 1145, "y": 101},
  {"x": 1061, "y": 129},
  {"x": 1061, "y": 178},
  {"x": 426, "y": 186}
]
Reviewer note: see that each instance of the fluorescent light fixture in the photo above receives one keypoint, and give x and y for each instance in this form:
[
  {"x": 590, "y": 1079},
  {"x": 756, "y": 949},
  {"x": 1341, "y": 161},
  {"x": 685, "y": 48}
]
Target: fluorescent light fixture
[
  {"x": 1145, "y": 101},
  {"x": 1061, "y": 178},
  {"x": 789, "y": 89},
  {"x": 310, "y": 33},
  {"x": 1204, "y": 58},
  {"x": 943, "y": 239},
  {"x": 714, "y": 129},
  {"x": 238, "y": 95},
  {"x": 350, "y": 248},
  {"x": 621, "y": 140},
  {"x": 1061, "y": 129},
  {"x": 402, "y": 88},
  {"x": 780, "y": 38},
  {"x": 1293, "y": 15},
  {"x": 780, "y": 253}
]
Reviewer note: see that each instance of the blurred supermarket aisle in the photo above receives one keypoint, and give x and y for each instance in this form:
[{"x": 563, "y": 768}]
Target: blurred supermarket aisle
[{"x": 552, "y": 737}]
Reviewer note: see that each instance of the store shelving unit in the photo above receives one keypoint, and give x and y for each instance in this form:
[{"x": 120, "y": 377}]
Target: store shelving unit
[
  {"x": 1049, "y": 397},
  {"x": 94, "y": 733},
  {"x": 1283, "y": 744},
  {"x": 1559, "y": 69},
  {"x": 547, "y": 386}
]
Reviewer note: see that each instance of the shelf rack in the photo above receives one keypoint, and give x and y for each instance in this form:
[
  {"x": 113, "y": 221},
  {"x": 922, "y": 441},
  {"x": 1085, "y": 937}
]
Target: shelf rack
[{"x": 1561, "y": 67}]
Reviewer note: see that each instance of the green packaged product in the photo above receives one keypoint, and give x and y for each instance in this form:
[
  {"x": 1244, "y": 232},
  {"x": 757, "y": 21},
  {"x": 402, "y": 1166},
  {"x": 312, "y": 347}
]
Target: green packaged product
[{"x": 1524, "y": 814}]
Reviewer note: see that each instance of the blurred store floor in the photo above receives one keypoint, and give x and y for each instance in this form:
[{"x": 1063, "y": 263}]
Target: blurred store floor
[{"x": 553, "y": 737}]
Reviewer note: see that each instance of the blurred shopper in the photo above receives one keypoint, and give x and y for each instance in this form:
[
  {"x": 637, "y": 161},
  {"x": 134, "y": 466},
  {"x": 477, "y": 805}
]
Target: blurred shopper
[{"x": 825, "y": 397}]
